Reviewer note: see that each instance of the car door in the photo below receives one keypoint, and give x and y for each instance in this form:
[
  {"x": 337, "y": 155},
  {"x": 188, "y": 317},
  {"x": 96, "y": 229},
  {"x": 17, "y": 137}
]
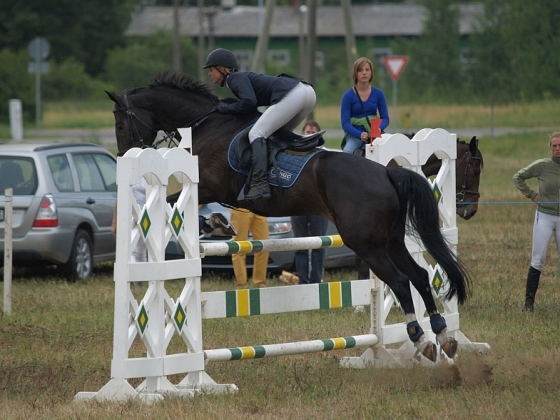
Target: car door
[{"x": 97, "y": 174}]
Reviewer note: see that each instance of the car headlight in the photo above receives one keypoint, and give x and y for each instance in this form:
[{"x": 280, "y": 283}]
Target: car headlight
[{"x": 279, "y": 227}]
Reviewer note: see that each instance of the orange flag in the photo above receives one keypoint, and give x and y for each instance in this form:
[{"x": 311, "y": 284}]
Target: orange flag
[{"x": 375, "y": 131}]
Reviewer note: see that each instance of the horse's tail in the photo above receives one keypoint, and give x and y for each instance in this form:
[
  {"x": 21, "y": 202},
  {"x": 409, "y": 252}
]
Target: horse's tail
[{"x": 417, "y": 201}]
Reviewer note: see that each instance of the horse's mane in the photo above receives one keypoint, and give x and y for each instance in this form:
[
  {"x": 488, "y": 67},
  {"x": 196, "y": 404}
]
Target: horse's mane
[{"x": 182, "y": 82}]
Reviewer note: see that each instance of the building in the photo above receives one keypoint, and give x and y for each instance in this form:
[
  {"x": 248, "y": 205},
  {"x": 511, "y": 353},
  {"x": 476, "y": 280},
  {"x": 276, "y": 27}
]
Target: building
[{"x": 237, "y": 27}]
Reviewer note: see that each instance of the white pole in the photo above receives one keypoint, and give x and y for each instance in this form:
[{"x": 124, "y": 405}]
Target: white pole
[
  {"x": 8, "y": 212},
  {"x": 16, "y": 120}
]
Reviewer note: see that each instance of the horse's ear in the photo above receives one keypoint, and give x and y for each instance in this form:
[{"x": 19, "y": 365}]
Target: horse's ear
[
  {"x": 473, "y": 145},
  {"x": 112, "y": 96}
]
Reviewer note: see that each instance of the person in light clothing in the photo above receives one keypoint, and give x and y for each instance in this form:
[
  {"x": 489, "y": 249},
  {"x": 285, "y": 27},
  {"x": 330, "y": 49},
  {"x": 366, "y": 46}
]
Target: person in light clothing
[{"x": 547, "y": 215}]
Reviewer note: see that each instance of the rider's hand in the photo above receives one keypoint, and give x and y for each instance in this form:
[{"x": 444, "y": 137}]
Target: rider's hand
[{"x": 222, "y": 108}]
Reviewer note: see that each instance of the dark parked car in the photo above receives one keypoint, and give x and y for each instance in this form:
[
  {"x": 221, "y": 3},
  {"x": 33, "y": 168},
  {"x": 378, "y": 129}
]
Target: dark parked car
[
  {"x": 63, "y": 201},
  {"x": 279, "y": 227}
]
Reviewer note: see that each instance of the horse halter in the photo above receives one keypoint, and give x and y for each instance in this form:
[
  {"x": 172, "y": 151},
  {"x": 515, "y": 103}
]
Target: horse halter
[
  {"x": 132, "y": 118},
  {"x": 460, "y": 196}
]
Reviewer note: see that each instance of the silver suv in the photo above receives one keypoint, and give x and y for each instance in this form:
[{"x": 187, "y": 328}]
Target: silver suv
[{"x": 64, "y": 197}]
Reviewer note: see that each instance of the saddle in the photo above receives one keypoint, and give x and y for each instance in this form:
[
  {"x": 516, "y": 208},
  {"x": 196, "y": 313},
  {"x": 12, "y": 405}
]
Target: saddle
[{"x": 281, "y": 140}]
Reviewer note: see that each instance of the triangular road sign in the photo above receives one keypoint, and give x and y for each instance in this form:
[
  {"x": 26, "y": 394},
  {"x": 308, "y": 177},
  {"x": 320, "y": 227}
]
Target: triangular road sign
[{"x": 395, "y": 65}]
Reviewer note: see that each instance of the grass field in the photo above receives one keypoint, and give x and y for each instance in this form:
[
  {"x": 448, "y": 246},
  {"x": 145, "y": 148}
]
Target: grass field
[
  {"x": 58, "y": 341},
  {"x": 96, "y": 115}
]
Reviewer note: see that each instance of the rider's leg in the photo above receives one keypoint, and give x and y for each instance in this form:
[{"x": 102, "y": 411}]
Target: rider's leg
[
  {"x": 289, "y": 112},
  {"x": 259, "y": 187}
]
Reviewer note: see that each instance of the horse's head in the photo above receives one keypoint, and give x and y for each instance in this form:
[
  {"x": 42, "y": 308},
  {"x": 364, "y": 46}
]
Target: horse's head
[
  {"x": 135, "y": 126},
  {"x": 469, "y": 166}
]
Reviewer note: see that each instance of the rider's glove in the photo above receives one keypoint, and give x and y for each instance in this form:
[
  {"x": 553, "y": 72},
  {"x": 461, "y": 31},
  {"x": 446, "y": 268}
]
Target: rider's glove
[{"x": 222, "y": 108}]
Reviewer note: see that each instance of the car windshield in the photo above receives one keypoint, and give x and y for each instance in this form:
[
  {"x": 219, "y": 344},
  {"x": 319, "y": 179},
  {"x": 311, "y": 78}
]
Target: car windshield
[{"x": 19, "y": 174}]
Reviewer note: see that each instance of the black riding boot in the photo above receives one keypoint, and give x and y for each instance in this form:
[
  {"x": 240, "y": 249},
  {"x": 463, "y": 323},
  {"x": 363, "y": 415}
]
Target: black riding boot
[
  {"x": 533, "y": 278},
  {"x": 259, "y": 187}
]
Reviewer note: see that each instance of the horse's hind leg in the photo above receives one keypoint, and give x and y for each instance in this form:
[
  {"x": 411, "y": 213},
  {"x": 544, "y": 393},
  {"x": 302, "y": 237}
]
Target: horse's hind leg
[
  {"x": 383, "y": 266},
  {"x": 419, "y": 278}
]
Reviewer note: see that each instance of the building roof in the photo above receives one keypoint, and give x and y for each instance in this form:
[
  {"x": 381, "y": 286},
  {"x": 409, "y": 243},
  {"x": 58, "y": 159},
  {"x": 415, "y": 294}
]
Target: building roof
[{"x": 385, "y": 20}]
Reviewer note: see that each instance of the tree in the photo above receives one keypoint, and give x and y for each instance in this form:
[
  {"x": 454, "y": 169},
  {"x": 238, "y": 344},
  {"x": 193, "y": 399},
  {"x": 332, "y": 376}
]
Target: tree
[
  {"x": 16, "y": 82},
  {"x": 141, "y": 59},
  {"x": 84, "y": 30},
  {"x": 515, "y": 51},
  {"x": 435, "y": 71}
]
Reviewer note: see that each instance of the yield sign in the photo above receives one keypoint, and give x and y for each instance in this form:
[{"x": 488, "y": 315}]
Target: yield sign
[{"x": 395, "y": 65}]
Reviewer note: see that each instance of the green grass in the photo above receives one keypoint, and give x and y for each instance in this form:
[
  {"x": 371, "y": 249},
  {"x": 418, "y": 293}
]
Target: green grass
[
  {"x": 58, "y": 341},
  {"x": 543, "y": 115}
]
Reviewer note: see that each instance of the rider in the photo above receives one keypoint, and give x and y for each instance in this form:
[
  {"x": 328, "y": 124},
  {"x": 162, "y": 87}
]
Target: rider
[{"x": 289, "y": 101}]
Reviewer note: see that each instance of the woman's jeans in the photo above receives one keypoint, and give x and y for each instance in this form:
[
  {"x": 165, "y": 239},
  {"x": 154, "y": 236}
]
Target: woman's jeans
[{"x": 352, "y": 143}]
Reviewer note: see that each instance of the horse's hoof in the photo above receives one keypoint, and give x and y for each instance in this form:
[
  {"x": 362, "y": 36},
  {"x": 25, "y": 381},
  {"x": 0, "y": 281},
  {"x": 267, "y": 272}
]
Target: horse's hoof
[
  {"x": 450, "y": 347},
  {"x": 429, "y": 351}
]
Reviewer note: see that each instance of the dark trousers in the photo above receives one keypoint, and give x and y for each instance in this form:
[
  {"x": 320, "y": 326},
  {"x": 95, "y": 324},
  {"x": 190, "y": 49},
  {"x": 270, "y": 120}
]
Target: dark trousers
[{"x": 309, "y": 226}]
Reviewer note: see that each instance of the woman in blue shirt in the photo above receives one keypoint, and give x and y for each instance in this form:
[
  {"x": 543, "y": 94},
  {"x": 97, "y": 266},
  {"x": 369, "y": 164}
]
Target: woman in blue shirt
[{"x": 359, "y": 105}]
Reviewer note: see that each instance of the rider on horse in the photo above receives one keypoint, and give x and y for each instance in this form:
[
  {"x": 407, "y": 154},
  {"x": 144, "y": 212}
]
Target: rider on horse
[{"x": 289, "y": 101}]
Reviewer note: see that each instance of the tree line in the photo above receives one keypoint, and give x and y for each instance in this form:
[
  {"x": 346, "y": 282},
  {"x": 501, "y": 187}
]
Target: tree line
[{"x": 511, "y": 57}]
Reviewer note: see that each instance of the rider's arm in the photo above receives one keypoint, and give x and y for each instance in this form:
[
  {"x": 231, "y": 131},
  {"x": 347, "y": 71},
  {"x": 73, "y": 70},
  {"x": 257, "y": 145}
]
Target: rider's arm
[{"x": 240, "y": 85}]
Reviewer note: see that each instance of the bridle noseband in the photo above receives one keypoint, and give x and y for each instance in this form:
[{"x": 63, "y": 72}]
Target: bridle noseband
[
  {"x": 460, "y": 196},
  {"x": 169, "y": 136},
  {"x": 132, "y": 118}
]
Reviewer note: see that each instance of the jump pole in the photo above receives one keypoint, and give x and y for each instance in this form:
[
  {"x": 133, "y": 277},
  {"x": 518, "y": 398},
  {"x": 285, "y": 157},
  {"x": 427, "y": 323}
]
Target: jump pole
[
  {"x": 288, "y": 349},
  {"x": 236, "y": 247}
]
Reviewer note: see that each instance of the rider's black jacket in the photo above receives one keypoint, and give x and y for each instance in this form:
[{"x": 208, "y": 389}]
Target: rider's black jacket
[{"x": 256, "y": 89}]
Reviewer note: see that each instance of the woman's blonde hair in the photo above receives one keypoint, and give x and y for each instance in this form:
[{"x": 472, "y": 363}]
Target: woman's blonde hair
[
  {"x": 358, "y": 65},
  {"x": 554, "y": 136}
]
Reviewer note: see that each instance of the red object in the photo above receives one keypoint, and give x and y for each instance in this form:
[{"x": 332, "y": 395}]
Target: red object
[
  {"x": 375, "y": 131},
  {"x": 395, "y": 65}
]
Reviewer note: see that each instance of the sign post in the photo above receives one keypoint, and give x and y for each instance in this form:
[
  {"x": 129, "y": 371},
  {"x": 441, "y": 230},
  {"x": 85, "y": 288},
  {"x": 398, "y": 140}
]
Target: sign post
[
  {"x": 39, "y": 49},
  {"x": 395, "y": 65}
]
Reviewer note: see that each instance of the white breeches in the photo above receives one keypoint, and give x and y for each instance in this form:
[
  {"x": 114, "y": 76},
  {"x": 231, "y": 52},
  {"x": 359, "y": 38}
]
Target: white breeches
[
  {"x": 290, "y": 111},
  {"x": 543, "y": 227}
]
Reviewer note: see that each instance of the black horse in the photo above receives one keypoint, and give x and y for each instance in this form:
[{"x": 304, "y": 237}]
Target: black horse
[
  {"x": 368, "y": 203},
  {"x": 469, "y": 164}
]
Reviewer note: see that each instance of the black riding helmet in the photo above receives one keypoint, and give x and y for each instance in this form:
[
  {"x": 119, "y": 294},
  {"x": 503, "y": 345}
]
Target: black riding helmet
[{"x": 221, "y": 57}]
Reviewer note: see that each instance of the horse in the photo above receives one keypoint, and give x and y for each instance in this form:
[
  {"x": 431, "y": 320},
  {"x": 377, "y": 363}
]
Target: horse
[
  {"x": 468, "y": 166},
  {"x": 371, "y": 217}
]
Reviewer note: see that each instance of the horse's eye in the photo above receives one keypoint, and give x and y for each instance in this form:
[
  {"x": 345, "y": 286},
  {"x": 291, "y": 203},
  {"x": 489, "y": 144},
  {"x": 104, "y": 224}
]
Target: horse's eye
[{"x": 120, "y": 126}]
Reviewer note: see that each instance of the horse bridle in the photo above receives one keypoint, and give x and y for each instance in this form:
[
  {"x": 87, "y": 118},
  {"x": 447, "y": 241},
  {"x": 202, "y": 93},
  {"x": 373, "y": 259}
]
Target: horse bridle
[
  {"x": 169, "y": 136},
  {"x": 133, "y": 118},
  {"x": 460, "y": 196}
]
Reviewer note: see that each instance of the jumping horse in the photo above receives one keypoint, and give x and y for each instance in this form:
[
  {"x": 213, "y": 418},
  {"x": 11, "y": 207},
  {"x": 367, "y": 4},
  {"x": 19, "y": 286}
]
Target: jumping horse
[{"x": 371, "y": 217}]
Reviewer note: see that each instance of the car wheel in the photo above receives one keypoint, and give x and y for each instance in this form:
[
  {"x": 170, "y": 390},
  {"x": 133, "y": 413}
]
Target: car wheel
[{"x": 80, "y": 264}]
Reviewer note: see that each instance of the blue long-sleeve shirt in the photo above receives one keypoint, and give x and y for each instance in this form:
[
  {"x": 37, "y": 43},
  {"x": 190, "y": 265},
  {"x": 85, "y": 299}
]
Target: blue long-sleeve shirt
[{"x": 351, "y": 107}]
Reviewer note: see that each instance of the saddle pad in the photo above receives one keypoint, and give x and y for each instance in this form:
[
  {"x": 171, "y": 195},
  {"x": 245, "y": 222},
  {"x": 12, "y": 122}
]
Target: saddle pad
[{"x": 290, "y": 165}]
